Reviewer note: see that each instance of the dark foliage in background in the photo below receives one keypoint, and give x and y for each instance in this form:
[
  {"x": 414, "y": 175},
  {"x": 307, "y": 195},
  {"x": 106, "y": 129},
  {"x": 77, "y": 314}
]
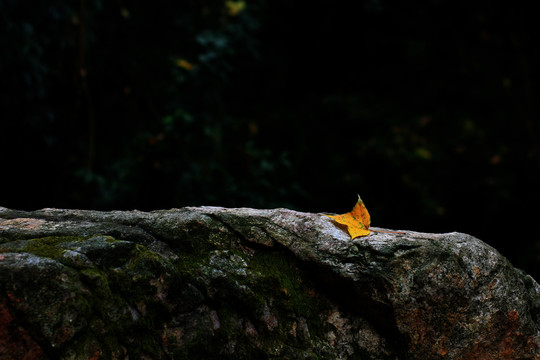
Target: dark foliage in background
[{"x": 427, "y": 109}]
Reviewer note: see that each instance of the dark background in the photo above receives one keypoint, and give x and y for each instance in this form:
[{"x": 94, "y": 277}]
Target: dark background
[{"x": 427, "y": 109}]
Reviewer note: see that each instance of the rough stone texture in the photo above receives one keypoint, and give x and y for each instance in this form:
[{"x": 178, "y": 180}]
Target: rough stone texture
[{"x": 216, "y": 283}]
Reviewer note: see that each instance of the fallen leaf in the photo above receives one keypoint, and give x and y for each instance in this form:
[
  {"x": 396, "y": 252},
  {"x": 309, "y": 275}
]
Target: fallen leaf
[{"x": 357, "y": 221}]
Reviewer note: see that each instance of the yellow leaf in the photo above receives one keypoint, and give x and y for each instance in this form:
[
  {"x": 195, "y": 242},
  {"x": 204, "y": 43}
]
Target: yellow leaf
[
  {"x": 357, "y": 221},
  {"x": 235, "y": 7},
  {"x": 184, "y": 64}
]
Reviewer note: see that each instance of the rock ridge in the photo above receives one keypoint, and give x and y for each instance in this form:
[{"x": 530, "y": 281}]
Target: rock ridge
[{"x": 224, "y": 283}]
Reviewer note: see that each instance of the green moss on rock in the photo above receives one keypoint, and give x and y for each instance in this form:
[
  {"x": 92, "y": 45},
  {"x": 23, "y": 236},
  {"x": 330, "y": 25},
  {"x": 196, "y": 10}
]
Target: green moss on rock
[
  {"x": 48, "y": 247},
  {"x": 281, "y": 275}
]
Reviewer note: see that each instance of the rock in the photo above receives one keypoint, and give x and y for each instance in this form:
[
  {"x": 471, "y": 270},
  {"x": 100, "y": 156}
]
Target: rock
[{"x": 216, "y": 283}]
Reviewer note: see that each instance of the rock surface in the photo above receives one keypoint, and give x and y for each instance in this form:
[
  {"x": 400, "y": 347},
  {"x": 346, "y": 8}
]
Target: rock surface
[{"x": 216, "y": 283}]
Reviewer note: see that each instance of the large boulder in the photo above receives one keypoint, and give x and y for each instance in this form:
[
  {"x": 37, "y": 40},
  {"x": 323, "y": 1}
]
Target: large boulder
[{"x": 217, "y": 283}]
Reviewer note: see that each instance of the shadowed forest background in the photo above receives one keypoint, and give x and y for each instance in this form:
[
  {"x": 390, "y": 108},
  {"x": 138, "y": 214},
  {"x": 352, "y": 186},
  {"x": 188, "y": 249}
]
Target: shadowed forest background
[{"x": 427, "y": 109}]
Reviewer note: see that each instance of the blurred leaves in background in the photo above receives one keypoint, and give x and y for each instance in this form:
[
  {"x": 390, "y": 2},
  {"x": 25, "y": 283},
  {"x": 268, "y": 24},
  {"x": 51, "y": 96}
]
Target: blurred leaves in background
[{"x": 429, "y": 109}]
